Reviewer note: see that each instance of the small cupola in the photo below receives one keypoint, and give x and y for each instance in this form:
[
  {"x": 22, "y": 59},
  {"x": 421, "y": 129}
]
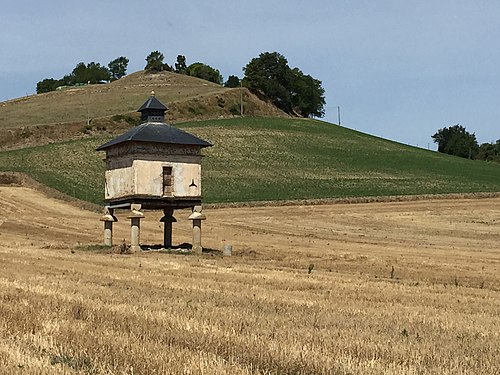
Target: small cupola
[{"x": 152, "y": 110}]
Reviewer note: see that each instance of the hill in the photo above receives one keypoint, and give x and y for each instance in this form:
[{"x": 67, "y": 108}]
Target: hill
[
  {"x": 64, "y": 114},
  {"x": 261, "y": 159}
]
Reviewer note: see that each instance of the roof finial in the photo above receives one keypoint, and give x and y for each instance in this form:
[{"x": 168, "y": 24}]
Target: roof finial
[{"x": 153, "y": 93}]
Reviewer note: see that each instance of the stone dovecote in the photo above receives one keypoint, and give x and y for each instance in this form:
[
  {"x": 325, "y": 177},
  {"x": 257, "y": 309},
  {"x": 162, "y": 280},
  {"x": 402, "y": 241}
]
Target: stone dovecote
[{"x": 153, "y": 166}]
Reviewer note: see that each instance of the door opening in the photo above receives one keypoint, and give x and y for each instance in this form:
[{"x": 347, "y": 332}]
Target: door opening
[{"x": 168, "y": 181}]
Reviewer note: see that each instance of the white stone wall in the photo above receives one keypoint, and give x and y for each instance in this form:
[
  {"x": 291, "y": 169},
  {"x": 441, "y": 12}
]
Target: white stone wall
[
  {"x": 119, "y": 183},
  {"x": 145, "y": 178}
]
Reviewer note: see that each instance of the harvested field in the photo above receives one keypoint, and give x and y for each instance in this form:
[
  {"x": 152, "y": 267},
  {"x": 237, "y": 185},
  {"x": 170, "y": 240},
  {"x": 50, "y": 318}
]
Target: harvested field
[{"x": 368, "y": 288}]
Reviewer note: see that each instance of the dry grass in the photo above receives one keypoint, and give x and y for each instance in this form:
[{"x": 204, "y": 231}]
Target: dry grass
[
  {"x": 382, "y": 288},
  {"x": 150, "y": 314},
  {"x": 187, "y": 98},
  {"x": 122, "y": 96}
]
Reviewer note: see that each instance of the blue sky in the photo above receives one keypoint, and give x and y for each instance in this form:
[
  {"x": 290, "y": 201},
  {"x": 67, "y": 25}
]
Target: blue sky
[{"x": 398, "y": 69}]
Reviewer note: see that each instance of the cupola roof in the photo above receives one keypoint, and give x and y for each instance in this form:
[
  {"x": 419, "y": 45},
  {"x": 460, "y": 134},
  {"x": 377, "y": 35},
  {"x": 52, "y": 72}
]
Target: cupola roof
[{"x": 152, "y": 103}]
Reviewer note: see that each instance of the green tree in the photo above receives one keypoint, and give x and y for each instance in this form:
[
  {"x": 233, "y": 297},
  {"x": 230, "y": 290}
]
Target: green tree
[
  {"x": 118, "y": 67},
  {"x": 92, "y": 72},
  {"x": 205, "y": 72},
  {"x": 455, "y": 140},
  {"x": 97, "y": 73},
  {"x": 79, "y": 74},
  {"x": 307, "y": 95},
  {"x": 232, "y": 81},
  {"x": 154, "y": 62},
  {"x": 47, "y": 85},
  {"x": 269, "y": 74},
  {"x": 66, "y": 80},
  {"x": 288, "y": 89},
  {"x": 180, "y": 65},
  {"x": 489, "y": 152}
]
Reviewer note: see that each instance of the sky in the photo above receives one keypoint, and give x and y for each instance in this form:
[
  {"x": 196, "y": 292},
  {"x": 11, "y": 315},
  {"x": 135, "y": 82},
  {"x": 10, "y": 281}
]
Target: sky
[{"x": 398, "y": 69}]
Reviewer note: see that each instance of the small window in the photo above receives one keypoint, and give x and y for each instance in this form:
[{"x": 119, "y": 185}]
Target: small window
[{"x": 168, "y": 181}]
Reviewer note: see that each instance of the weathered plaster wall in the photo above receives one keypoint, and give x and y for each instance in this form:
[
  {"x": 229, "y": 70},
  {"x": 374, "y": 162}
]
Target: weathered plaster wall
[
  {"x": 137, "y": 169},
  {"x": 119, "y": 183},
  {"x": 149, "y": 178},
  {"x": 145, "y": 178}
]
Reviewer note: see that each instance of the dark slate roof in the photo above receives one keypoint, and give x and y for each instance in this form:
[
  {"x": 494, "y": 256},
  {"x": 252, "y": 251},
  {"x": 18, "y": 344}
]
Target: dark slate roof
[
  {"x": 157, "y": 133},
  {"x": 152, "y": 103}
]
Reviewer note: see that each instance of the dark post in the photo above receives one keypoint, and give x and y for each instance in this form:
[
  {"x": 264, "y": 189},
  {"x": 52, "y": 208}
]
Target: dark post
[{"x": 167, "y": 221}]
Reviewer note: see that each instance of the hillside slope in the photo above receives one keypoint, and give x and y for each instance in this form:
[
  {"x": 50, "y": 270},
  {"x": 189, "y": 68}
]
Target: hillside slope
[
  {"x": 64, "y": 115},
  {"x": 269, "y": 159}
]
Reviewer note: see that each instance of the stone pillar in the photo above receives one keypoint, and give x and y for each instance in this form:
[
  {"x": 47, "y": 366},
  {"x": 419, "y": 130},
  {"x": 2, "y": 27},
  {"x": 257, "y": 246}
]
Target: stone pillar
[
  {"x": 167, "y": 221},
  {"x": 197, "y": 217},
  {"x": 108, "y": 218},
  {"x": 135, "y": 217}
]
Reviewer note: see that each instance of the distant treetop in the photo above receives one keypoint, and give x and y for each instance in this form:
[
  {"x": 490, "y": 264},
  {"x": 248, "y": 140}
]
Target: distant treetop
[
  {"x": 289, "y": 89},
  {"x": 86, "y": 73}
]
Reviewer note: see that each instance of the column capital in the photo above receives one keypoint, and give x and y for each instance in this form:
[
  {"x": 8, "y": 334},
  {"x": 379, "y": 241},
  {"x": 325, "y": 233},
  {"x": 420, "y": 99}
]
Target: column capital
[
  {"x": 197, "y": 216},
  {"x": 134, "y": 214},
  {"x": 108, "y": 217}
]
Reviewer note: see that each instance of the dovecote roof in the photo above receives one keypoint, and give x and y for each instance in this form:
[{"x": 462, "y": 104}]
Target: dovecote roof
[
  {"x": 154, "y": 131},
  {"x": 157, "y": 133}
]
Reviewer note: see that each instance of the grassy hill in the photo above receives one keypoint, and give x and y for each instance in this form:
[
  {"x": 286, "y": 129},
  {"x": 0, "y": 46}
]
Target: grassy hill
[
  {"x": 124, "y": 96},
  {"x": 275, "y": 159},
  {"x": 63, "y": 115}
]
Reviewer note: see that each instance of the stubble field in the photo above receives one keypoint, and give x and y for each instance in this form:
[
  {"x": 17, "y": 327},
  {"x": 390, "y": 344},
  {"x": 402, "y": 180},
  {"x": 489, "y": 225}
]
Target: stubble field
[{"x": 378, "y": 288}]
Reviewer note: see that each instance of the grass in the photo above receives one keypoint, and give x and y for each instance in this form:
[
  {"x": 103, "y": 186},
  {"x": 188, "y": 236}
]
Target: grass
[
  {"x": 272, "y": 159},
  {"x": 119, "y": 97},
  {"x": 186, "y": 97},
  {"x": 149, "y": 313},
  {"x": 397, "y": 288},
  {"x": 70, "y": 167},
  {"x": 255, "y": 159}
]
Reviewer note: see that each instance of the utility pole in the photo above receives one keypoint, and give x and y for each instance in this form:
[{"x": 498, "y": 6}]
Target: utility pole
[
  {"x": 88, "y": 103},
  {"x": 241, "y": 98},
  {"x": 338, "y": 113}
]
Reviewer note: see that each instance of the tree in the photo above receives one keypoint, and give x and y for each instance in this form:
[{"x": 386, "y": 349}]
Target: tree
[
  {"x": 97, "y": 73},
  {"x": 455, "y": 140},
  {"x": 288, "y": 89},
  {"x": 118, "y": 67},
  {"x": 92, "y": 72},
  {"x": 180, "y": 65},
  {"x": 489, "y": 152},
  {"x": 232, "y": 81},
  {"x": 154, "y": 62},
  {"x": 269, "y": 74},
  {"x": 47, "y": 85},
  {"x": 205, "y": 72},
  {"x": 79, "y": 74},
  {"x": 307, "y": 95}
]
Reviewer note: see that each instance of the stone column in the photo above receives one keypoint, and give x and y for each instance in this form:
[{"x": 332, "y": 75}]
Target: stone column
[
  {"x": 167, "y": 221},
  {"x": 108, "y": 218},
  {"x": 197, "y": 217},
  {"x": 135, "y": 217}
]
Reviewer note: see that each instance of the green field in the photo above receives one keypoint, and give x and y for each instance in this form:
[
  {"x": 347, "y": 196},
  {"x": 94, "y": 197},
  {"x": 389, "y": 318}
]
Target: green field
[{"x": 256, "y": 159}]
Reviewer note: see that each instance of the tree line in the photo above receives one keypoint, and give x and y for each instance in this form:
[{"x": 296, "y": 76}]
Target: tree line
[
  {"x": 268, "y": 74},
  {"x": 86, "y": 73},
  {"x": 456, "y": 140}
]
